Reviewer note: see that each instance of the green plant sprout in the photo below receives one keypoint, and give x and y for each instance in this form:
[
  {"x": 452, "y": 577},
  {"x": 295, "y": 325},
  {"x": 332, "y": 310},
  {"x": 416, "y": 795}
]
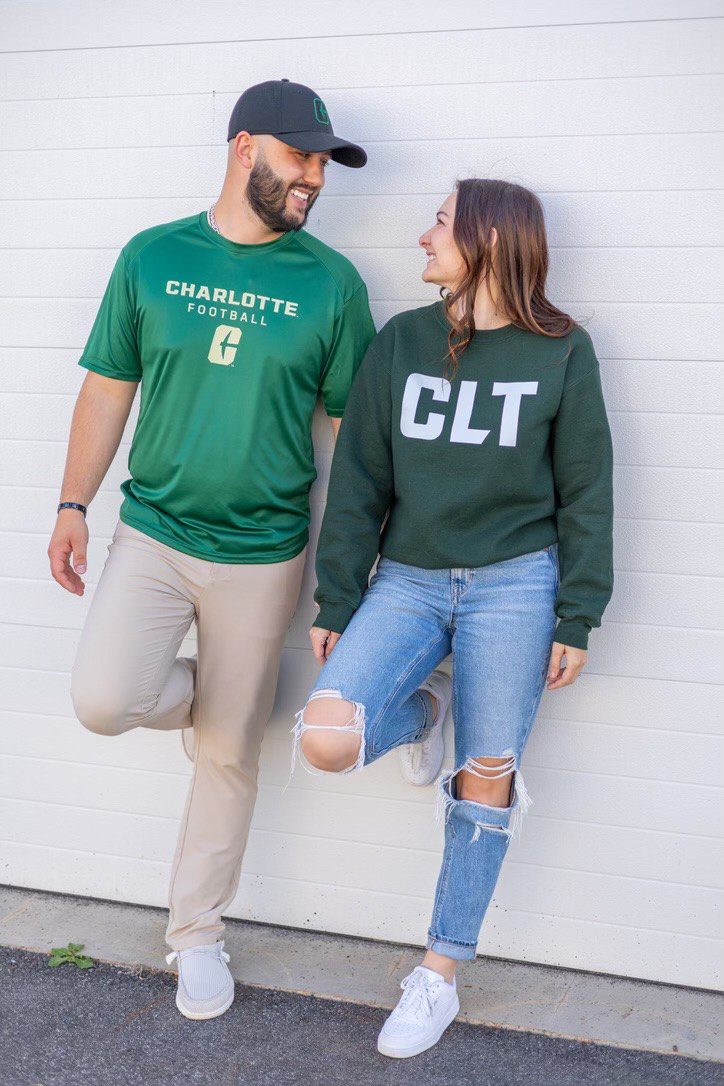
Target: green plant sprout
[{"x": 59, "y": 955}]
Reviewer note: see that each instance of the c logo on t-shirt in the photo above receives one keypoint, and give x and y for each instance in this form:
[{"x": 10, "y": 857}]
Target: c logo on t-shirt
[{"x": 223, "y": 349}]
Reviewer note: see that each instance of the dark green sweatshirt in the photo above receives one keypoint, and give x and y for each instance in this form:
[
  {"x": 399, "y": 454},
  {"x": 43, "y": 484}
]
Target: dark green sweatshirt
[{"x": 511, "y": 455}]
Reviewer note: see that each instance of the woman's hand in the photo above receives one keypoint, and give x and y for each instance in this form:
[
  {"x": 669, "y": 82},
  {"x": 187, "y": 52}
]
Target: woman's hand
[
  {"x": 323, "y": 641},
  {"x": 563, "y": 676}
]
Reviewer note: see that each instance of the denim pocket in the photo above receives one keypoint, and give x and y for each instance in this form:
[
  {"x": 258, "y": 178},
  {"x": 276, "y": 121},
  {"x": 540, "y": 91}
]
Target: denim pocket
[
  {"x": 528, "y": 558},
  {"x": 390, "y": 564},
  {"x": 401, "y": 571}
]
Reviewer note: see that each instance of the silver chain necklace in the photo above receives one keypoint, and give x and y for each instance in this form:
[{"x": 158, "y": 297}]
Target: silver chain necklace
[{"x": 212, "y": 219}]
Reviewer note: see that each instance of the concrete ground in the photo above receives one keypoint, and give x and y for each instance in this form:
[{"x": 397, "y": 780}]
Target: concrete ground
[
  {"x": 111, "y": 1025},
  {"x": 519, "y": 1023}
]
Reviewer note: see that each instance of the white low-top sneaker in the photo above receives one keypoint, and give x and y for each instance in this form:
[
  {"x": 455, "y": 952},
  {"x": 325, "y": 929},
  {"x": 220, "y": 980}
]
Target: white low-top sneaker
[
  {"x": 205, "y": 985},
  {"x": 421, "y": 762},
  {"x": 426, "y": 1008}
]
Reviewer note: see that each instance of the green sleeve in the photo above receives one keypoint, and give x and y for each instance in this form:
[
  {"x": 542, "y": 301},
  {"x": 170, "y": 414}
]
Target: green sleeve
[
  {"x": 112, "y": 346},
  {"x": 582, "y": 457},
  {"x": 353, "y": 332},
  {"x": 359, "y": 494}
]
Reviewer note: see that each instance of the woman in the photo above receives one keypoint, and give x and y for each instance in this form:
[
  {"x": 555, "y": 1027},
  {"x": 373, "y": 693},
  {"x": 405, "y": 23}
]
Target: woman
[{"x": 478, "y": 424}]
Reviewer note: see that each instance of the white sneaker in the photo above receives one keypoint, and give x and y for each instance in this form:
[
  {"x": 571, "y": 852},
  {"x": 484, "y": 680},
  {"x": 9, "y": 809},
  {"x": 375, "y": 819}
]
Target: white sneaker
[
  {"x": 205, "y": 985},
  {"x": 427, "y": 1007},
  {"x": 421, "y": 762}
]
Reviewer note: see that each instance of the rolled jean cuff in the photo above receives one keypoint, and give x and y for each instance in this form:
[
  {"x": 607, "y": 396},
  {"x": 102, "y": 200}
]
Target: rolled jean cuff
[{"x": 461, "y": 952}]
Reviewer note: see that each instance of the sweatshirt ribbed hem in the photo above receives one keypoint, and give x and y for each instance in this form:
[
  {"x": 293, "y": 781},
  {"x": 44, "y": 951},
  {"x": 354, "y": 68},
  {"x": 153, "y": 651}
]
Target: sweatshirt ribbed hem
[
  {"x": 571, "y": 631},
  {"x": 334, "y": 616}
]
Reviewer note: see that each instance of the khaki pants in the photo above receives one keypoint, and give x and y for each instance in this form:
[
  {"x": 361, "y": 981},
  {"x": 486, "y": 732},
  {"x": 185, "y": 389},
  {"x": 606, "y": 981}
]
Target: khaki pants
[{"x": 126, "y": 675}]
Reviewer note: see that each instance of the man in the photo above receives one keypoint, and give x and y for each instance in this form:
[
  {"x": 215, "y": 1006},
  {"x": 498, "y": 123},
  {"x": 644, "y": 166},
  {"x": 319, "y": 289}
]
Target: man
[{"x": 233, "y": 321}]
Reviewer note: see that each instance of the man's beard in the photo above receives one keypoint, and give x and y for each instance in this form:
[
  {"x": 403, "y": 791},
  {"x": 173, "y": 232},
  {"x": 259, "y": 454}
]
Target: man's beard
[{"x": 267, "y": 196}]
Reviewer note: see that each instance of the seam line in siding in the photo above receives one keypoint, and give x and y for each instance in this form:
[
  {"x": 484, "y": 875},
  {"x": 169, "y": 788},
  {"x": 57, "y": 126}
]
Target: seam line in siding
[
  {"x": 536, "y": 768},
  {"x": 485, "y": 29}
]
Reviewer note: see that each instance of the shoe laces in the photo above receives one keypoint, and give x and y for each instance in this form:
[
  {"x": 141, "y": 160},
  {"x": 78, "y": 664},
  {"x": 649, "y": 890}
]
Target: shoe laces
[
  {"x": 217, "y": 949},
  {"x": 420, "y": 991}
]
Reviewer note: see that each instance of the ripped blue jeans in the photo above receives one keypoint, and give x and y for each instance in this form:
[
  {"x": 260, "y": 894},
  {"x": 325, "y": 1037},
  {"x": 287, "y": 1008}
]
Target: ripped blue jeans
[{"x": 498, "y": 622}]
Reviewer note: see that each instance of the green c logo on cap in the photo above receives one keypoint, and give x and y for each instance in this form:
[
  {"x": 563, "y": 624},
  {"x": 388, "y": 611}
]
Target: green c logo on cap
[{"x": 320, "y": 111}]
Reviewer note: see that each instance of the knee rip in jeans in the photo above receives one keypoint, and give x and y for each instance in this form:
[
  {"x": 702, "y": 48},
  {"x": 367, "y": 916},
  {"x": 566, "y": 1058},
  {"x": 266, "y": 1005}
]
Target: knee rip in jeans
[
  {"x": 507, "y": 767},
  {"x": 354, "y": 726}
]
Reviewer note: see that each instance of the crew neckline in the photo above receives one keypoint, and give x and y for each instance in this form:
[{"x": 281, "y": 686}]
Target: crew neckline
[
  {"x": 481, "y": 336},
  {"x": 240, "y": 247}
]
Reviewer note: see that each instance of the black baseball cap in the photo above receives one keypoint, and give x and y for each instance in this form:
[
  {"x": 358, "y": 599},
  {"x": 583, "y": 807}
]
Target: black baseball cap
[{"x": 296, "y": 115}]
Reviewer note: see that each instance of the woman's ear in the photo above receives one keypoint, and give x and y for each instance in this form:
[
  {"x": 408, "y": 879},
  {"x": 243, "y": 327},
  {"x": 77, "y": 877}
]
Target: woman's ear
[{"x": 493, "y": 237}]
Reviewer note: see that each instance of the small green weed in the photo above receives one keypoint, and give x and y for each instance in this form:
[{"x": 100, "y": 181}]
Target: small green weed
[{"x": 59, "y": 955}]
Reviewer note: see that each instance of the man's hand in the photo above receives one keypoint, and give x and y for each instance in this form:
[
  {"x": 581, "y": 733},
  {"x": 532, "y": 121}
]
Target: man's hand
[
  {"x": 70, "y": 536},
  {"x": 100, "y": 414},
  {"x": 323, "y": 641},
  {"x": 563, "y": 676}
]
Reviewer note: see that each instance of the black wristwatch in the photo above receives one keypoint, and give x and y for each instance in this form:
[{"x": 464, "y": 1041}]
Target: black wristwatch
[{"x": 72, "y": 505}]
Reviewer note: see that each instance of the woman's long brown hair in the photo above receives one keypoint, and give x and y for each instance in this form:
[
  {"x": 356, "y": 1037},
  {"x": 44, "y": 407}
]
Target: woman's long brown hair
[{"x": 520, "y": 267}]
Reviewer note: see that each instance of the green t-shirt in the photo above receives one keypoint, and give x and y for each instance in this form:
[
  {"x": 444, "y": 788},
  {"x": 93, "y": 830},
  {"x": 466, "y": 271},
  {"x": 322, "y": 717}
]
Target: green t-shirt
[{"x": 232, "y": 344}]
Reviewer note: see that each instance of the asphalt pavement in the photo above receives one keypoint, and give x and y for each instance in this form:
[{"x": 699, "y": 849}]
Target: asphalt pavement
[{"x": 118, "y": 1026}]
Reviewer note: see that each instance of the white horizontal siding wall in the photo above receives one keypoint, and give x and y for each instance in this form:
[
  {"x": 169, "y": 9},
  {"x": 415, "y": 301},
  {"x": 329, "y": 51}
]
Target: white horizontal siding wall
[{"x": 609, "y": 111}]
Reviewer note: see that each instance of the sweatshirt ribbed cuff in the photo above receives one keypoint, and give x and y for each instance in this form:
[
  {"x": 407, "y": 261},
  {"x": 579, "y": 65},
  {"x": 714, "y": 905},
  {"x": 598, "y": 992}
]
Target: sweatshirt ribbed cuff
[
  {"x": 573, "y": 632},
  {"x": 333, "y": 616}
]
